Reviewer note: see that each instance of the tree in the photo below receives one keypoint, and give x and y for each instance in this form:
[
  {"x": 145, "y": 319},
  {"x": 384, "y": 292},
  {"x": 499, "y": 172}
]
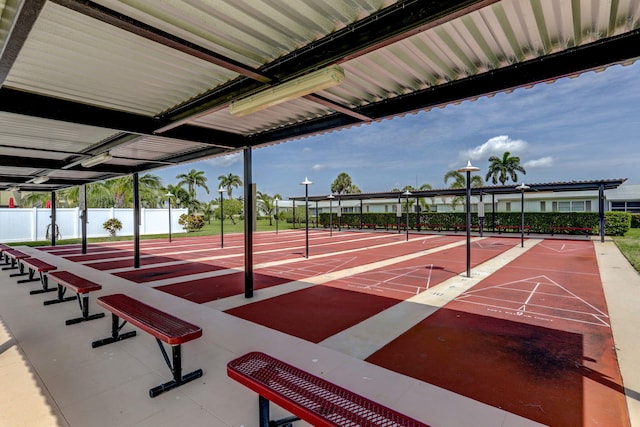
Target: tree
[
  {"x": 423, "y": 203},
  {"x": 121, "y": 188},
  {"x": 36, "y": 199},
  {"x": 460, "y": 181},
  {"x": 343, "y": 184},
  {"x": 232, "y": 207},
  {"x": 182, "y": 198},
  {"x": 267, "y": 205},
  {"x": 193, "y": 179},
  {"x": 229, "y": 182},
  {"x": 501, "y": 169}
]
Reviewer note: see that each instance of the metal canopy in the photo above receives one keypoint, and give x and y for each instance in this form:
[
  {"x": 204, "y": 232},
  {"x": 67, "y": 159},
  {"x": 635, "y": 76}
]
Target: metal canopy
[
  {"x": 605, "y": 184},
  {"x": 151, "y": 82}
]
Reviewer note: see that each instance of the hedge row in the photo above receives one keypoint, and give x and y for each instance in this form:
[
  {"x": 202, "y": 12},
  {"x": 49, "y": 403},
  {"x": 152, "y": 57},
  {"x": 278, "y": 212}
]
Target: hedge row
[{"x": 616, "y": 223}]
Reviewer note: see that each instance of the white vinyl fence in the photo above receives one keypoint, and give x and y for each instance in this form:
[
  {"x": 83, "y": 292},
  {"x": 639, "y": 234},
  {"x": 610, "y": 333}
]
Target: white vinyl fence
[{"x": 32, "y": 224}]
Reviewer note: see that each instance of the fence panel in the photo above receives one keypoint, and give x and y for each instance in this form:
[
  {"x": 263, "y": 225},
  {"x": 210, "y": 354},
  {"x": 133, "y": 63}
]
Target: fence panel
[{"x": 32, "y": 224}]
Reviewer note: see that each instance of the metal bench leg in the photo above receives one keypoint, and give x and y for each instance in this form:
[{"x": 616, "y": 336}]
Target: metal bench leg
[
  {"x": 31, "y": 278},
  {"x": 263, "y": 405},
  {"x": 17, "y": 265},
  {"x": 176, "y": 371},
  {"x": 84, "y": 308},
  {"x": 115, "y": 333},
  {"x": 45, "y": 285},
  {"x": 61, "y": 298}
]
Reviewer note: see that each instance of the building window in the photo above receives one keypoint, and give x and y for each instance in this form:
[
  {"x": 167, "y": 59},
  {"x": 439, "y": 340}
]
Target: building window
[
  {"x": 386, "y": 208},
  {"x": 508, "y": 207},
  {"x": 564, "y": 206},
  {"x": 577, "y": 206},
  {"x": 543, "y": 206}
]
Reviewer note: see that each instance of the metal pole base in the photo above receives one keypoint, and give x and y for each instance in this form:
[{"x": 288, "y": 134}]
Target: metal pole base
[
  {"x": 83, "y": 319},
  {"x": 173, "y": 383},
  {"x": 110, "y": 340}
]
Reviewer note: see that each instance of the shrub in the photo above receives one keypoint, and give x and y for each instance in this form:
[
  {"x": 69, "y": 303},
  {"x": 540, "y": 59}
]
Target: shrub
[
  {"x": 112, "y": 225},
  {"x": 191, "y": 222},
  {"x": 616, "y": 223},
  {"x": 635, "y": 220}
]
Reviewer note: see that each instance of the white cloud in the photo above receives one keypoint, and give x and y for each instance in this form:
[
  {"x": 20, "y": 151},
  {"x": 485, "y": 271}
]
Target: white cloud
[
  {"x": 317, "y": 167},
  {"x": 307, "y": 149},
  {"x": 543, "y": 162},
  {"x": 226, "y": 160},
  {"x": 494, "y": 146}
]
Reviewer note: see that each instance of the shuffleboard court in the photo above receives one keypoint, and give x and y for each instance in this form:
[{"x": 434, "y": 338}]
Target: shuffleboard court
[
  {"x": 343, "y": 303},
  {"x": 533, "y": 338}
]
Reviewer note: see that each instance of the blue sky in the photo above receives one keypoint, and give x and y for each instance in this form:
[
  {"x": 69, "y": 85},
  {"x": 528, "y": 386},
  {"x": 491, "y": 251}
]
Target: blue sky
[{"x": 574, "y": 129}]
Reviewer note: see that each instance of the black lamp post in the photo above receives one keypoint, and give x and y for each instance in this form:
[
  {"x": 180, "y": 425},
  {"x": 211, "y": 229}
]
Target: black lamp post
[
  {"x": 169, "y": 196},
  {"x": 221, "y": 191},
  {"x": 407, "y": 194},
  {"x": 306, "y": 184},
  {"x": 331, "y": 197},
  {"x": 522, "y": 187},
  {"x": 468, "y": 169},
  {"x": 277, "y": 214}
]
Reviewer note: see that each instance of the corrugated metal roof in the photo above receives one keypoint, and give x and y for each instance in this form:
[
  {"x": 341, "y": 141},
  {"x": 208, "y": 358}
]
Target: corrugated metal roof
[{"x": 151, "y": 81}]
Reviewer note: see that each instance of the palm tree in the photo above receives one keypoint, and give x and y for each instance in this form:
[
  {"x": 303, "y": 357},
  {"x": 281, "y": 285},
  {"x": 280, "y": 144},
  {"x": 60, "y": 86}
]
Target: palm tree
[
  {"x": 342, "y": 184},
  {"x": 501, "y": 169},
  {"x": 229, "y": 182},
  {"x": 182, "y": 198},
  {"x": 460, "y": 181},
  {"x": 423, "y": 203},
  {"x": 122, "y": 190},
  {"x": 36, "y": 199},
  {"x": 193, "y": 179},
  {"x": 267, "y": 205}
]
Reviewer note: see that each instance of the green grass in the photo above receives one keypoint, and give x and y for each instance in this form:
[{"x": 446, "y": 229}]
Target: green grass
[
  {"x": 629, "y": 245},
  {"x": 212, "y": 229}
]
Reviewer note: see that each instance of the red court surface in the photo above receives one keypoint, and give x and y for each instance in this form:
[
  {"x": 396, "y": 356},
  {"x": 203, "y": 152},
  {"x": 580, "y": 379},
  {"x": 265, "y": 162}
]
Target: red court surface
[
  {"x": 533, "y": 340},
  {"x": 324, "y": 310},
  {"x": 222, "y": 286}
]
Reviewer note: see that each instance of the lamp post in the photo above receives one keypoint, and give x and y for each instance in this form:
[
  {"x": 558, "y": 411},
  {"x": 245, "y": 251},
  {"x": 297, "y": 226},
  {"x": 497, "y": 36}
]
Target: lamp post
[
  {"x": 407, "y": 194},
  {"x": 522, "y": 187},
  {"x": 221, "y": 191},
  {"x": 468, "y": 169},
  {"x": 306, "y": 184},
  {"x": 169, "y": 196},
  {"x": 276, "y": 199},
  {"x": 331, "y": 197}
]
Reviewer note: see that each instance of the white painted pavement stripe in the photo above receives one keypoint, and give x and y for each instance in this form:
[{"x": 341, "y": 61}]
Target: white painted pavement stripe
[
  {"x": 239, "y": 300},
  {"x": 218, "y": 257},
  {"x": 372, "y": 334},
  {"x": 198, "y": 276}
]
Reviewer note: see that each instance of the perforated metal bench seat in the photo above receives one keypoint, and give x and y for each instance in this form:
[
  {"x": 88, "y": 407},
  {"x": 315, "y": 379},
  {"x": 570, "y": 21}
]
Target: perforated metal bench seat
[
  {"x": 163, "y": 326},
  {"x": 308, "y": 397},
  {"x": 81, "y": 287},
  {"x": 35, "y": 265}
]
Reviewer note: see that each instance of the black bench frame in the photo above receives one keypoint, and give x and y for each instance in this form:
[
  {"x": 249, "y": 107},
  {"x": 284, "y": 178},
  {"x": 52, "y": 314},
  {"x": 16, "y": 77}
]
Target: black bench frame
[{"x": 174, "y": 364}]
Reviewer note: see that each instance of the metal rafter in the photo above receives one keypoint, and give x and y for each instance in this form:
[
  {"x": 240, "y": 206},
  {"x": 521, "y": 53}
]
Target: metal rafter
[
  {"x": 376, "y": 31},
  {"x": 35, "y": 105},
  {"x": 27, "y": 12},
  {"x": 565, "y": 63}
]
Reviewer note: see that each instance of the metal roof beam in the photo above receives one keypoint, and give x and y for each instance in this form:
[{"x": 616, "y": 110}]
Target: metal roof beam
[
  {"x": 569, "y": 62},
  {"x": 30, "y": 104},
  {"x": 599, "y": 54},
  {"x": 25, "y": 15},
  {"x": 115, "y": 19},
  {"x": 392, "y": 24}
]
